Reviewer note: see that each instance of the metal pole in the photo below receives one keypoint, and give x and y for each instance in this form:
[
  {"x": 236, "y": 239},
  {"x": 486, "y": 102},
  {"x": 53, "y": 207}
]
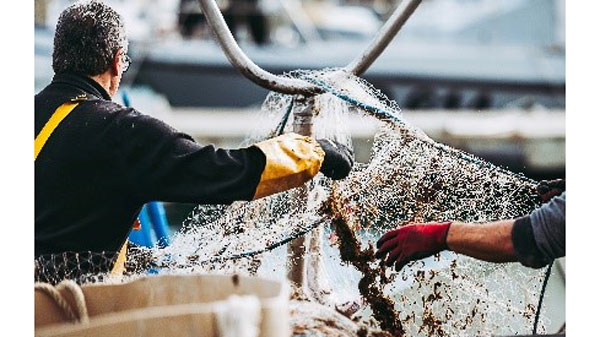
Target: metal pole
[
  {"x": 243, "y": 64},
  {"x": 284, "y": 85},
  {"x": 302, "y": 125},
  {"x": 314, "y": 260},
  {"x": 304, "y": 262},
  {"x": 384, "y": 37}
]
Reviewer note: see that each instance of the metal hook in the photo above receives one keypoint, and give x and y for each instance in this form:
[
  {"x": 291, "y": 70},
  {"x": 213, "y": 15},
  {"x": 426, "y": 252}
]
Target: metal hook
[
  {"x": 285, "y": 85},
  {"x": 248, "y": 68}
]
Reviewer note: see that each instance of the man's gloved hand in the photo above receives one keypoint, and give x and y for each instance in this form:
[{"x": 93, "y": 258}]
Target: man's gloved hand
[
  {"x": 412, "y": 242},
  {"x": 548, "y": 189},
  {"x": 338, "y": 159}
]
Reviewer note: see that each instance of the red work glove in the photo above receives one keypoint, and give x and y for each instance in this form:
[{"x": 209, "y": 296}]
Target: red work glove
[
  {"x": 548, "y": 189},
  {"x": 412, "y": 242}
]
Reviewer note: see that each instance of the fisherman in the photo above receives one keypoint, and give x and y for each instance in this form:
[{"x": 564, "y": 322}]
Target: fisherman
[
  {"x": 97, "y": 162},
  {"x": 534, "y": 240}
]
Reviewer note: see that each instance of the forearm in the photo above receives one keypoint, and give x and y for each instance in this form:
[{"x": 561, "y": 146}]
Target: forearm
[
  {"x": 159, "y": 163},
  {"x": 156, "y": 162},
  {"x": 500, "y": 241},
  {"x": 488, "y": 241}
]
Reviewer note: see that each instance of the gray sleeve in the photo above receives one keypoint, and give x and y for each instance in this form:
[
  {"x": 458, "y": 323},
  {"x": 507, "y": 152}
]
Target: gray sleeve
[
  {"x": 548, "y": 225},
  {"x": 539, "y": 238}
]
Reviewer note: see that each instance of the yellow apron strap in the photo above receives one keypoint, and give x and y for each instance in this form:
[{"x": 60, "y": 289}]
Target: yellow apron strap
[
  {"x": 40, "y": 140},
  {"x": 61, "y": 113},
  {"x": 119, "y": 266}
]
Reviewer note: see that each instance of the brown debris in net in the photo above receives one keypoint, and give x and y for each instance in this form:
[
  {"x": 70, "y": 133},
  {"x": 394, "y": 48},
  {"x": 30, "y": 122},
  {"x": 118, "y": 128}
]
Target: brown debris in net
[
  {"x": 364, "y": 332},
  {"x": 430, "y": 323},
  {"x": 453, "y": 270},
  {"x": 439, "y": 184},
  {"x": 529, "y": 312},
  {"x": 371, "y": 284}
]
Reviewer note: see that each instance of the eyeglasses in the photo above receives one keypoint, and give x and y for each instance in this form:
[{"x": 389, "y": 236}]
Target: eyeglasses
[{"x": 126, "y": 62}]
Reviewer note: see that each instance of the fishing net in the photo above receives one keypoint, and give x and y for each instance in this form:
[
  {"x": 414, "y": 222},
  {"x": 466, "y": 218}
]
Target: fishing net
[
  {"x": 409, "y": 178},
  {"x": 82, "y": 267}
]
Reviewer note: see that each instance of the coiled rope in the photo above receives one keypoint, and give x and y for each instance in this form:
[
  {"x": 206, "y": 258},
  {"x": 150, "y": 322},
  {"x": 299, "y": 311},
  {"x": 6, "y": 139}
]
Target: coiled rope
[{"x": 79, "y": 314}]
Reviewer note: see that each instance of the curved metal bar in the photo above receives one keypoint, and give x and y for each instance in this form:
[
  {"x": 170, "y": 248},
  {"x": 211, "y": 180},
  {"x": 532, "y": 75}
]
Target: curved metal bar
[
  {"x": 248, "y": 68},
  {"x": 383, "y": 38}
]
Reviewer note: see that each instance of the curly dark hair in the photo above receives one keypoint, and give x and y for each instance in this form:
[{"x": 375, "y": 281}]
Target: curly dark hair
[{"x": 88, "y": 35}]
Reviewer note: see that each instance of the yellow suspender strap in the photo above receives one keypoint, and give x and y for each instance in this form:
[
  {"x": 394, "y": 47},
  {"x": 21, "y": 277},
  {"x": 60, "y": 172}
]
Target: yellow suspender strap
[
  {"x": 40, "y": 140},
  {"x": 61, "y": 113},
  {"x": 119, "y": 266}
]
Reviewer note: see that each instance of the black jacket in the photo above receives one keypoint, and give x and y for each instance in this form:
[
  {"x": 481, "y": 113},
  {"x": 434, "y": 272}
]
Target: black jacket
[{"x": 104, "y": 161}]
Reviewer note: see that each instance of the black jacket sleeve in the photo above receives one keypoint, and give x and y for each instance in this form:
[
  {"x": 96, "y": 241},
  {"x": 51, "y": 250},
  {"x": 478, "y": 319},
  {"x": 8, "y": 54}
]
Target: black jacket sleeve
[
  {"x": 160, "y": 163},
  {"x": 539, "y": 238}
]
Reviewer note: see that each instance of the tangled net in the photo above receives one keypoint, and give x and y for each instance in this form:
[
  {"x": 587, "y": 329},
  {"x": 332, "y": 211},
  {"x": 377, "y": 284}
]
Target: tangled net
[{"x": 409, "y": 178}]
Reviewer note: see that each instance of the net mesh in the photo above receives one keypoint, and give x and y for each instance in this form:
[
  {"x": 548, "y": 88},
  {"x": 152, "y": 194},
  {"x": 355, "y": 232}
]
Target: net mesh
[
  {"x": 409, "y": 178},
  {"x": 82, "y": 267}
]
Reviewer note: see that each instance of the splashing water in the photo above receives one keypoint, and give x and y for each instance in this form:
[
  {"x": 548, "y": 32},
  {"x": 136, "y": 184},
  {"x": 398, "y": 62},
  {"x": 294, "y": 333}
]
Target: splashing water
[{"x": 409, "y": 177}]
